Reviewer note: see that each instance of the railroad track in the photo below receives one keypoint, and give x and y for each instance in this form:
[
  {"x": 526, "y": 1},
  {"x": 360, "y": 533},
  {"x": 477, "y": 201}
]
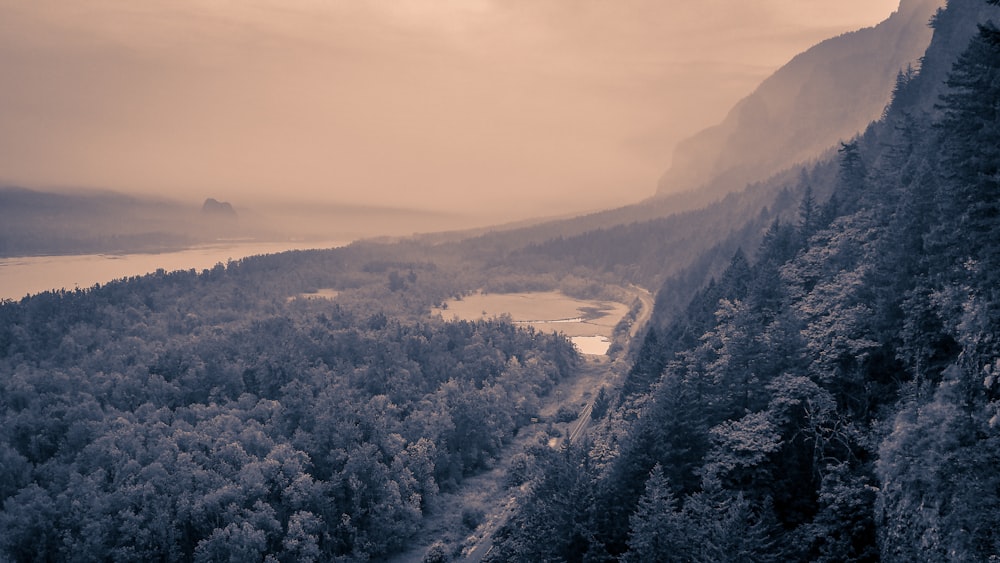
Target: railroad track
[{"x": 582, "y": 423}]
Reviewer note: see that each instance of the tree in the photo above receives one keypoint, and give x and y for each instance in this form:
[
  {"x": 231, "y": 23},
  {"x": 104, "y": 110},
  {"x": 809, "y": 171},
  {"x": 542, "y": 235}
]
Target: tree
[
  {"x": 301, "y": 542},
  {"x": 970, "y": 132},
  {"x": 601, "y": 404},
  {"x": 654, "y": 531},
  {"x": 990, "y": 33},
  {"x": 852, "y": 177},
  {"x": 844, "y": 528},
  {"x": 556, "y": 521},
  {"x": 741, "y": 458},
  {"x": 234, "y": 543},
  {"x": 436, "y": 553},
  {"x": 940, "y": 491},
  {"x": 719, "y": 525},
  {"x": 807, "y": 209}
]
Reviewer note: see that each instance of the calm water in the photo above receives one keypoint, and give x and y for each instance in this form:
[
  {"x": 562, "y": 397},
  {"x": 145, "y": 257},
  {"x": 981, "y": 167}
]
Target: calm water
[
  {"x": 33, "y": 274},
  {"x": 592, "y": 345},
  {"x": 550, "y": 311}
]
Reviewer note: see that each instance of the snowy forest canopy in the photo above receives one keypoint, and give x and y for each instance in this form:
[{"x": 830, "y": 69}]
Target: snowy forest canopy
[{"x": 833, "y": 394}]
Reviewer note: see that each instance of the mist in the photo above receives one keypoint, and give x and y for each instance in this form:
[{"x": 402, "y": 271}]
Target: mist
[{"x": 488, "y": 110}]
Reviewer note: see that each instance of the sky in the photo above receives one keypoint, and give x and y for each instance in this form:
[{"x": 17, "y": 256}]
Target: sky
[{"x": 503, "y": 109}]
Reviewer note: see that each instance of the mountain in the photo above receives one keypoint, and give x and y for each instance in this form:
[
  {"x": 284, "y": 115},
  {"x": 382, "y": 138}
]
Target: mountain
[
  {"x": 826, "y": 94},
  {"x": 837, "y": 396},
  {"x": 36, "y": 222},
  {"x": 87, "y": 221},
  {"x": 834, "y": 395}
]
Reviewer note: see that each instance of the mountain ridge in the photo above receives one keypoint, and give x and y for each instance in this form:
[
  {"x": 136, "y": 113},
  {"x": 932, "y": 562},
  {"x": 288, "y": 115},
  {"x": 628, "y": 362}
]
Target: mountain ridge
[{"x": 816, "y": 99}]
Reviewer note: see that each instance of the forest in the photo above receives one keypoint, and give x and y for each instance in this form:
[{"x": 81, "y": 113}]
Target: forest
[
  {"x": 820, "y": 380},
  {"x": 208, "y": 416},
  {"x": 833, "y": 395}
]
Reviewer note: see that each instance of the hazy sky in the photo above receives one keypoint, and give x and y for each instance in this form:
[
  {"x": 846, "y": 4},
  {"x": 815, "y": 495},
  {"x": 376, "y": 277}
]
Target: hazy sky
[{"x": 516, "y": 107}]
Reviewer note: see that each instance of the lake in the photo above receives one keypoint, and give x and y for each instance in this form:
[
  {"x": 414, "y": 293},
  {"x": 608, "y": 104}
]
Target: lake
[
  {"x": 589, "y": 324},
  {"x": 33, "y": 274}
]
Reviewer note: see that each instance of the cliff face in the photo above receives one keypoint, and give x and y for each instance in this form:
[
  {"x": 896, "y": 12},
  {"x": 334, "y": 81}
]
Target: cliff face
[{"x": 822, "y": 96}]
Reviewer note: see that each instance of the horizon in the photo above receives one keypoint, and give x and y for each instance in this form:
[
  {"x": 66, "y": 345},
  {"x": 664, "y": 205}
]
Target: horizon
[{"x": 505, "y": 111}]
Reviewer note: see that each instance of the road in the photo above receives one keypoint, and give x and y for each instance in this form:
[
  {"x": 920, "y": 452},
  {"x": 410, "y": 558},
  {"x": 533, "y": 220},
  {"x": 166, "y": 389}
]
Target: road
[
  {"x": 645, "y": 313},
  {"x": 488, "y": 489}
]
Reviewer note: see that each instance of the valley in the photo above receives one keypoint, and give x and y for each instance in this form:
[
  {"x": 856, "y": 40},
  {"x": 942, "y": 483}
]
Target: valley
[
  {"x": 465, "y": 521},
  {"x": 804, "y": 369}
]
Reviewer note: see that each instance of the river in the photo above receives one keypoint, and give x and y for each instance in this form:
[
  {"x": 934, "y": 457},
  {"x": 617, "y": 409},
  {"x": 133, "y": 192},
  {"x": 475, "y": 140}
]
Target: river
[{"x": 25, "y": 275}]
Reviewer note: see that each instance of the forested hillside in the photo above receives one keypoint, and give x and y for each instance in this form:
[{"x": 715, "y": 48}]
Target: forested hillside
[
  {"x": 836, "y": 396},
  {"x": 221, "y": 416},
  {"x": 833, "y": 394}
]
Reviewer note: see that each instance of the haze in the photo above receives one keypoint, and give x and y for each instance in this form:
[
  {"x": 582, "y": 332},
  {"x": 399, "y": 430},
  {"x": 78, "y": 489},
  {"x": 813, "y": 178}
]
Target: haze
[{"x": 498, "y": 109}]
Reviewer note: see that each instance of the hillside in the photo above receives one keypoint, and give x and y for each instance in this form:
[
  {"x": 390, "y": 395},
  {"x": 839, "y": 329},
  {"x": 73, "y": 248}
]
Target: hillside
[
  {"x": 36, "y": 222},
  {"x": 834, "y": 398},
  {"x": 820, "y": 380},
  {"x": 829, "y": 93}
]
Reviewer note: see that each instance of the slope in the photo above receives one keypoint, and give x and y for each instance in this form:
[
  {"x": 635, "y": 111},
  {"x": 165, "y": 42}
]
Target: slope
[
  {"x": 826, "y": 94},
  {"x": 835, "y": 399}
]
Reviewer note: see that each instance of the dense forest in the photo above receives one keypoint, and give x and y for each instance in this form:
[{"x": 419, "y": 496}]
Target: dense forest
[
  {"x": 212, "y": 416},
  {"x": 820, "y": 380},
  {"x": 834, "y": 397}
]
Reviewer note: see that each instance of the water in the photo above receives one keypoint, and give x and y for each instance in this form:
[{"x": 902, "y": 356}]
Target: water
[
  {"x": 546, "y": 311},
  {"x": 33, "y": 274},
  {"x": 592, "y": 345}
]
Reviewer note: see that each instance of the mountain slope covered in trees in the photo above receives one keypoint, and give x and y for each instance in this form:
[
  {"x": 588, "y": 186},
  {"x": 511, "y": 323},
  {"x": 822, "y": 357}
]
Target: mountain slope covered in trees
[
  {"x": 832, "y": 395},
  {"x": 837, "y": 397},
  {"x": 220, "y": 416}
]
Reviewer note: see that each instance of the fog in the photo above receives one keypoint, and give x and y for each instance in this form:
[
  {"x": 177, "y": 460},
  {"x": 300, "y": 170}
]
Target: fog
[{"x": 495, "y": 109}]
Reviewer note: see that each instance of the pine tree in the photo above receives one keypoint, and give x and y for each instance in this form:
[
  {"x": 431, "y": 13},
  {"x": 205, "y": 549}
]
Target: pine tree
[
  {"x": 655, "y": 533},
  {"x": 601, "y": 404},
  {"x": 719, "y": 525},
  {"x": 852, "y": 176},
  {"x": 970, "y": 133},
  {"x": 807, "y": 211},
  {"x": 969, "y": 235}
]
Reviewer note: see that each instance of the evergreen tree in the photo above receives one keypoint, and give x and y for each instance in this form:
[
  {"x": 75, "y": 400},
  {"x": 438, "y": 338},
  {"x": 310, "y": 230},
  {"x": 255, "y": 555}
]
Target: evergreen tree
[
  {"x": 970, "y": 132},
  {"x": 844, "y": 528},
  {"x": 601, "y": 404},
  {"x": 719, "y": 525},
  {"x": 807, "y": 209},
  {"x": 655, "y": 531},
  {"x": 852, "y": 176},
  {"x": 556, "y": 523}
]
